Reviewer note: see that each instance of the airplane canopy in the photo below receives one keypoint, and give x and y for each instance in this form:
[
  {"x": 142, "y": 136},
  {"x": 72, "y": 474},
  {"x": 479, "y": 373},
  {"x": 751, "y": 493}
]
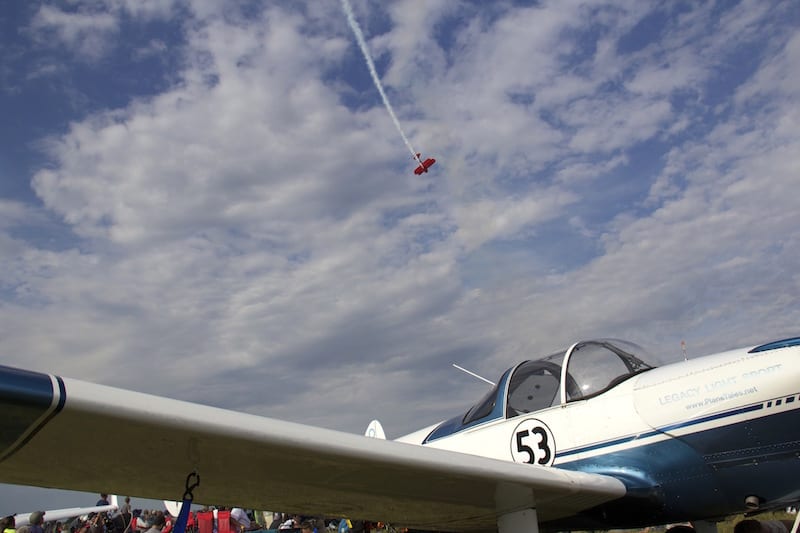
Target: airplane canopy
[
  {"x": 592, "y": 367},
  {"x": 585, "y": 369}
]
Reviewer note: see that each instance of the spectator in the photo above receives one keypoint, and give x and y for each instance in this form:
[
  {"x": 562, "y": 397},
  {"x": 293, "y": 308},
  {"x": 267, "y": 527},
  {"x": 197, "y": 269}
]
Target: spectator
[
  {"x": 142, "y": 521},
  {"x": 94, "y": 524},
  {"x": 8, "y": 524},
  {"x": 103, "y": 500},
  {"x": 167, "y": 523},
  {"x": 158, "y": 524},
  {"x": 36, "y": 520},
  {"x": 239, "y": 520},
  {"x": 276, "y": 521},
  {"x": 750, "y": 525}
]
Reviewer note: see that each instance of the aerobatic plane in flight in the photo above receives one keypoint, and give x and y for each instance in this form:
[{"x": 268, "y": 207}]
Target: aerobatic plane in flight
[
  {"x": 595, "y": 436},
  {"x": 423, "y": 165}
]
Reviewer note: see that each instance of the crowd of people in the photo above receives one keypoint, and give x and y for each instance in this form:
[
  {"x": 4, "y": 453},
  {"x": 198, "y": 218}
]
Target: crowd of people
[
  {"x": 206, "y": 520},
  {"x": 237, "y": 520},
  {"x": 243, "y": 522}
]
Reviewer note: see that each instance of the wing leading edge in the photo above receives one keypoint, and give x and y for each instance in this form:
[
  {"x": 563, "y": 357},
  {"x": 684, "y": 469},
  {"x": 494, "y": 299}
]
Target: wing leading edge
[
  {"x": 22, "y": 519},
  {"x": 60, "y": 432}
]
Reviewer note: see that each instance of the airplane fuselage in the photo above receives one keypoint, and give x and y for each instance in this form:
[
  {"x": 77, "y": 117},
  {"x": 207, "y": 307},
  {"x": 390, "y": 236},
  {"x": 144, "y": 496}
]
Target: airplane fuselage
[
  {"x": 605, "y": 439},
  {"x": 689, "y": 440}
]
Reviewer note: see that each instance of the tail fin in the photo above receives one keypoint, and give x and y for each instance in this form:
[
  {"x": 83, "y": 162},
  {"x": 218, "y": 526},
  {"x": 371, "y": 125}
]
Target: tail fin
[
  {"x": 375, "y": 430},
  {"x": 173, "y": 508}
]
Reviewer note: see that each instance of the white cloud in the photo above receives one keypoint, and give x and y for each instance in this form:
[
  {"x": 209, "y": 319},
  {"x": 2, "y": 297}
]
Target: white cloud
[
  {"x": 88, "y": 33},
  {"x": 487, "y": 220},
  {"x": 89, "y": 29},
  {"x": 154, "y": 48},
  {"x": 663, "y": 79},
  {"x": 244, "y": 226},
  {"x": 776, "y": 77}
]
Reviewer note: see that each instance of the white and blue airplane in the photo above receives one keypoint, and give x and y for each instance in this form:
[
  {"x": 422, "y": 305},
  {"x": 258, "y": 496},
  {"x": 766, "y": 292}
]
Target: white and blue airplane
[{"x": 592, "y": 437}]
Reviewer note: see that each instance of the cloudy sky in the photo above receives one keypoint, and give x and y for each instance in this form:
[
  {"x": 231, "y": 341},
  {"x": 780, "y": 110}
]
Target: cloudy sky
[{"x": 209, "y": 201}]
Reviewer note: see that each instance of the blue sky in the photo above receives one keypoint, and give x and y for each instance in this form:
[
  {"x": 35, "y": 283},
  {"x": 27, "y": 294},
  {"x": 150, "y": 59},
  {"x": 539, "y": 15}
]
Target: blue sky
[{"x": 210, "y": 202}]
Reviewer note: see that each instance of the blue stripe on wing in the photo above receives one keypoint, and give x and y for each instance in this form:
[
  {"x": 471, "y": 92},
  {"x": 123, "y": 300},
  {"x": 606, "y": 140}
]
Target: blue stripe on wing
[{"x": 27, "y": 402}]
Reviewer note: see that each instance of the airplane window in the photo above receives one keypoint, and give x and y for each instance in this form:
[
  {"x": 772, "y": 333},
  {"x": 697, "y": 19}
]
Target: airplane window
[
  {"x": 596, "y": 366},
  {"x": 483, "y": 408},
  {"x": 533, "y": 386}
]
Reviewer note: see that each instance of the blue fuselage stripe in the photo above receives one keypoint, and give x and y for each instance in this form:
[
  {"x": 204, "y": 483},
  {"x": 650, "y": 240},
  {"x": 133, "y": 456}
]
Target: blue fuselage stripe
[
  {"x": 658, "y": 431},
  {"x": 703, "y": 473}
]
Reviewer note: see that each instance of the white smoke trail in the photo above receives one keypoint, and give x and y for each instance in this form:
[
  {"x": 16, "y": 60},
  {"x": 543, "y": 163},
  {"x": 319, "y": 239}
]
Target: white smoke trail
[{"x": 351, "y": 19}]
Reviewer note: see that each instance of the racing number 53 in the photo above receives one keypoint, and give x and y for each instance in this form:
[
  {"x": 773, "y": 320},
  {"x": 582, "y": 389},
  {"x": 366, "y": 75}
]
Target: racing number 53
[{"x": 532, "y": 442}]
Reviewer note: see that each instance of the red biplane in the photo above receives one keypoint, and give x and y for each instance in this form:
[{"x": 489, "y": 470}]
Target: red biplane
[{"x": 423, "y": 165}]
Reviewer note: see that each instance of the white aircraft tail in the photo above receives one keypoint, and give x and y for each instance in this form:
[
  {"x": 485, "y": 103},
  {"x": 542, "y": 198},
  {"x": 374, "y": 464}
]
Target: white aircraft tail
[
  {"x": 173, "y": 508},
  {"x": 375, "y": 430}
]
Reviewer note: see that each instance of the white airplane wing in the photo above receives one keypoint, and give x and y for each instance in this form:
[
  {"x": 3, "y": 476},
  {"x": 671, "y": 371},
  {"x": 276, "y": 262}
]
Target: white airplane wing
[
  {"x": 60, "y": 432},
  {"x": 52, "y": 515}
]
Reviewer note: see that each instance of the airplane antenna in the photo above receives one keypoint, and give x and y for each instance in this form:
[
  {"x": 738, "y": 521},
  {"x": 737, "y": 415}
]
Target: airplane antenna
[
  {"x": 473, "y": 374},
  {"x": 683, "y": 349}
]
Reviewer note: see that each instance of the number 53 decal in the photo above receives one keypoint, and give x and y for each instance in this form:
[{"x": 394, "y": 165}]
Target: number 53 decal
[{"x": 532, "y": 442}]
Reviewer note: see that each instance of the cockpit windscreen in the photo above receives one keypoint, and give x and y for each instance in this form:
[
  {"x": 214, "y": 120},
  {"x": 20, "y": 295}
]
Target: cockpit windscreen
[{"x": 592, "y": 367}]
